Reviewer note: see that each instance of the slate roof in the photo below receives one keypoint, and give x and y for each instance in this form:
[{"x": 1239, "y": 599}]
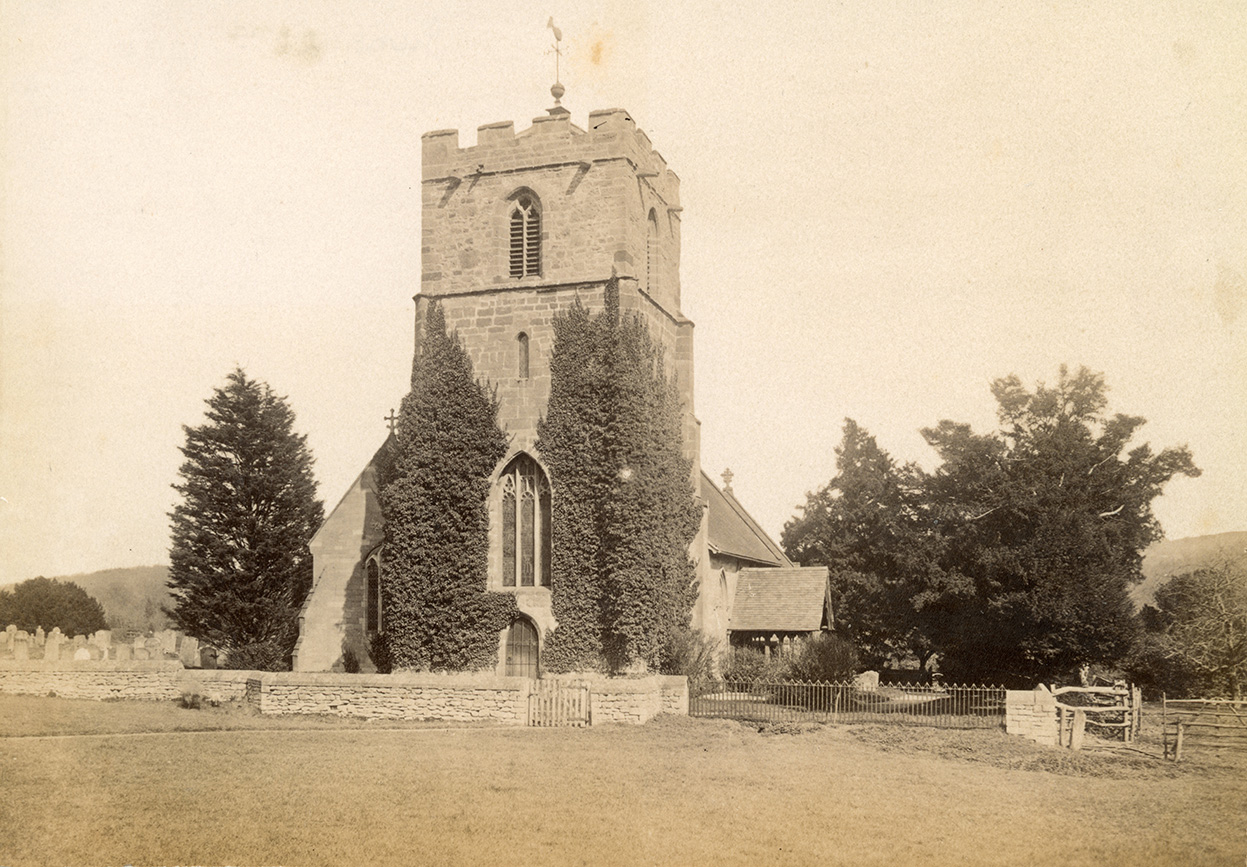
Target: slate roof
[
  {"x": 780, "y": 600},
  {"x": 733, "y": 532}
]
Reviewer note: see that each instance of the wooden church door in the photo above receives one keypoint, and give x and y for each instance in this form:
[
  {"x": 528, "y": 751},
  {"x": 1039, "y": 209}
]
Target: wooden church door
[{"x": 522, "y": 650}]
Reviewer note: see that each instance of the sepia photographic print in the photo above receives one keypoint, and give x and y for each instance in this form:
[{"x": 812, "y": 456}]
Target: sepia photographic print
[{"x": 623, "y": 433}]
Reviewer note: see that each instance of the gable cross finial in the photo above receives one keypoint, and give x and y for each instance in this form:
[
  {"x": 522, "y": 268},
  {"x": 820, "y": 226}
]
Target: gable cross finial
[
  {"x": 727, "y": 480},
  {"x": 392, "y": 421}
]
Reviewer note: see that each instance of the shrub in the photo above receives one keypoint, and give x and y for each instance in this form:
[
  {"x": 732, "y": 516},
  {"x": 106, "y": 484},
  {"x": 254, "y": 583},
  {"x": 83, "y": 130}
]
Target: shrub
[
  {"x": 379, "y": 650},
  {"x": 824, "y": 658},
  {"x": 350, "y": 662},
  {"x": 690, "y": 653},
  {"x": 745, "y": 665},
  {"x": 259, "y": 656}
]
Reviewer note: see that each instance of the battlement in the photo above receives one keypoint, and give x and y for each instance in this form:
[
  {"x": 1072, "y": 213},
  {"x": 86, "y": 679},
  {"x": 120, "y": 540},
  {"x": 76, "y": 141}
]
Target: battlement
[{"x": 551, "y": 141}]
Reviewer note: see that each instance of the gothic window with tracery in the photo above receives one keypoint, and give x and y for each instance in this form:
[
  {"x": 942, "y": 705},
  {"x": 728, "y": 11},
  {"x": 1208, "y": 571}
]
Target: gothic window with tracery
[
  {"x": 525, "y": 524},
  {"x": 525, "y": 237}
]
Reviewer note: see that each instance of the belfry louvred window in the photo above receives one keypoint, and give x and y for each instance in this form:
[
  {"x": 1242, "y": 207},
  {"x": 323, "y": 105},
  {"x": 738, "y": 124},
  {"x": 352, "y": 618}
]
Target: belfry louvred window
[
  {"x": 525, "y": 524},
  {"x": 525, "y": 237}
]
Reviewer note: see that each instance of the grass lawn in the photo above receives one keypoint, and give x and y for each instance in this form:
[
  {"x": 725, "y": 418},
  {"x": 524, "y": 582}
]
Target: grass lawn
[{"x": 135, "y": 783}]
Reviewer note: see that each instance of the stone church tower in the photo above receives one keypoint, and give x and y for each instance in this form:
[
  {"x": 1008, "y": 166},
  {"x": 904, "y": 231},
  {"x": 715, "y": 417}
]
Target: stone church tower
[{"x": 516, "y": 228}]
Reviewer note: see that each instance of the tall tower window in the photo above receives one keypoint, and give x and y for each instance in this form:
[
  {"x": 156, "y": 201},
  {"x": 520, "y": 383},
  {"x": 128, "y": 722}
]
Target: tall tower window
[
  {"x": 651, "y": 249},
  {"x": 522, "y": 346},
  {"x": 525, "y": 237},
  {"x": 525, "y": 524}
]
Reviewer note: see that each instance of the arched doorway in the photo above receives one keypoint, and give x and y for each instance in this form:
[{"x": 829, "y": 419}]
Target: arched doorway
[{"x": 522, "y": 649}]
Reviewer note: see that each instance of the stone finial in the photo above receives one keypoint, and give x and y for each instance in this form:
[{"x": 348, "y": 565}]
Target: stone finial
[{"x": 727, "y": 480}]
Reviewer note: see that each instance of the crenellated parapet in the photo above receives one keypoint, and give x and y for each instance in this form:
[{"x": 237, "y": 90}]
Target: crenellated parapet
[
  {"x": 550, "y": 141},
  {"x": 603, "y": 200}
]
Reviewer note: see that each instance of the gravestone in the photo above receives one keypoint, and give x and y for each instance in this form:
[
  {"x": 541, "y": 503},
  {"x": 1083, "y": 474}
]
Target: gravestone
[
  {"x": 40, "y": 637},
  {"x": 168, "y": 641},
  {"x": 95, "y": 652},
  {"x": 21, "y": 646},
  {"x": 154, "y": 647},
  {"x": 122, "y": 652},
  {"x": 102, "y": 639},
  {"x": 867, "y": 681},
  {"x": 80, "y": 641},
  {"x": 52, "y": 646},
  {"x": 188, "y": 652},
  {"x": 82, "y": 654}
]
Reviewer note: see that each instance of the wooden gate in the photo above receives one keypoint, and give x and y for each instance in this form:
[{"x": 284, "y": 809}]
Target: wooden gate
[{"x": 558, "y": 703}]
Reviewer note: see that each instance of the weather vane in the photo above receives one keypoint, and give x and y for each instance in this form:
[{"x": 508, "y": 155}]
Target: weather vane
[{"x": 557, "y": 90}]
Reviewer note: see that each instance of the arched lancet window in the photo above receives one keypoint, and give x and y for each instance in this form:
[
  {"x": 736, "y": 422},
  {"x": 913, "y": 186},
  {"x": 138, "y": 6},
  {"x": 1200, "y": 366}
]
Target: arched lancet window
[
  {"x": 372, "y": 591},
  {"x": 522, "y": 649},
  {"x": 525, "y": 524},
  {"x": 522, "y": 344},
  {"x": 525, "y": 236},
  {"x": 651, "y": 248}
]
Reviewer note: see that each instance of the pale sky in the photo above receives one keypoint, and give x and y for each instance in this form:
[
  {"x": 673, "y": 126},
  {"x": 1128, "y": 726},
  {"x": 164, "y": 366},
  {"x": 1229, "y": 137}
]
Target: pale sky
[{"x": 886, "y": 206}]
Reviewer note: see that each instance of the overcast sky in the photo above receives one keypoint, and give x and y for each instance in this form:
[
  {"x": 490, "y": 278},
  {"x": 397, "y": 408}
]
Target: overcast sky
[{"x": 885, "y": 208}]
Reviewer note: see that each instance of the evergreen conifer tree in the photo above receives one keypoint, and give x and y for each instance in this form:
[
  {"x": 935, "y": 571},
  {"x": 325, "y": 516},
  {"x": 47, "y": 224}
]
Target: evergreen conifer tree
[
  {"x": 240, "y": 567},
  {"x": 49, "y": 603},
  {"x": 434, "y": 496}
]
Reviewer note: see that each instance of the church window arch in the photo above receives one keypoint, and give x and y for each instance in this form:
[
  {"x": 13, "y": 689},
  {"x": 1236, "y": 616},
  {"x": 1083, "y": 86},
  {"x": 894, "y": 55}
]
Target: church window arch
[
  {"x": 525, "y": 524},
  {"x": 524, "y": 223},
  {"x": 372, "y": 596},
  {"x": 521, "y": 342}
]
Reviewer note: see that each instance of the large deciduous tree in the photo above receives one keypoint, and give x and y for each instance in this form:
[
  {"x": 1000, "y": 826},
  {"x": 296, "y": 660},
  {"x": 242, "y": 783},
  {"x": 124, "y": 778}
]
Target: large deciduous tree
[
  {"x": 240, "y": 566},
  {"x": 1043, "y": 524},
  {"x": 437, "y": 611},
  {"x": 1203, "y": 615},
  {"x": 49, "y": 603},
  {"x": 623, "y": 508}
]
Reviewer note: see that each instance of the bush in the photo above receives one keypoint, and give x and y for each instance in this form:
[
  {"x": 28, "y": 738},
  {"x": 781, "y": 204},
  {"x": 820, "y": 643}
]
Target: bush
[
  {"x": 379, "y": 650},
  {"x": 745, "y": 665},
  {"x": 350, "y": 662},
  {"x": 260, "y": 656},
  {"x": 825, "y": 658},
  {"x": 690, "y": 653}
]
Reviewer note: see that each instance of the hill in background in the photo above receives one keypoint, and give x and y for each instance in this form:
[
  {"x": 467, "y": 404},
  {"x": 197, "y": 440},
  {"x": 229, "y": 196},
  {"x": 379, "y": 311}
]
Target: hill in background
[
  {"x": 131, "y": 597},
  {"x": 1170, "y": 557}
]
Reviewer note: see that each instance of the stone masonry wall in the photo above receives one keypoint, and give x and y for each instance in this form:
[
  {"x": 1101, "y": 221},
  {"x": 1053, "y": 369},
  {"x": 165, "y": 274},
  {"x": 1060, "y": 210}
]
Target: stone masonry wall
[
  {"x": 151, "y": 680},
  {"x": 460, "y": 698},
  {"x": 1032, "y": 714},
  {"x": 453, "y": 698}
]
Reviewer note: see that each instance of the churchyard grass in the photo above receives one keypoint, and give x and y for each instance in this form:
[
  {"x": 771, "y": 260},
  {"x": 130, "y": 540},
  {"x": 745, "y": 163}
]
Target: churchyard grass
[{"x": 252, "y": 790}]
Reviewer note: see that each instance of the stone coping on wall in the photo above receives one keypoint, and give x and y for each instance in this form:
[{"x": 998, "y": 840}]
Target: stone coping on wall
[{"x": 90, "y": 665}]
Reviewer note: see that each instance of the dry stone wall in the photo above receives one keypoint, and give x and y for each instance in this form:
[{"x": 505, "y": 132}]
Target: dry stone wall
[{"x": 452, "y": 698}]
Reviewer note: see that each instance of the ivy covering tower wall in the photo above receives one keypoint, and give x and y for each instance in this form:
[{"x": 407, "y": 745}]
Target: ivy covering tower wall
[
  {"x": 623, "y": 509},
  {"x": 438, "y": 614}
]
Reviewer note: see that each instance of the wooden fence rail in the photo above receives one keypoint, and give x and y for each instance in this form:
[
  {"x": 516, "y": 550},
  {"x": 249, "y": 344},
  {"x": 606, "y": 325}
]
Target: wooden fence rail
[{"x": 1221, "y": 722}]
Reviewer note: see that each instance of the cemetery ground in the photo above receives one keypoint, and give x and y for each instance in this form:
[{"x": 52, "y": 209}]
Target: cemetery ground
[{"x": 152, "y": 783}]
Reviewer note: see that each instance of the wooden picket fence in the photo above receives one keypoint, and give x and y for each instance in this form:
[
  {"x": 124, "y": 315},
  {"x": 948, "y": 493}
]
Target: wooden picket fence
[
  {"x": 558, "y": 703},
  {"x": 1207, "y": 722}
]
